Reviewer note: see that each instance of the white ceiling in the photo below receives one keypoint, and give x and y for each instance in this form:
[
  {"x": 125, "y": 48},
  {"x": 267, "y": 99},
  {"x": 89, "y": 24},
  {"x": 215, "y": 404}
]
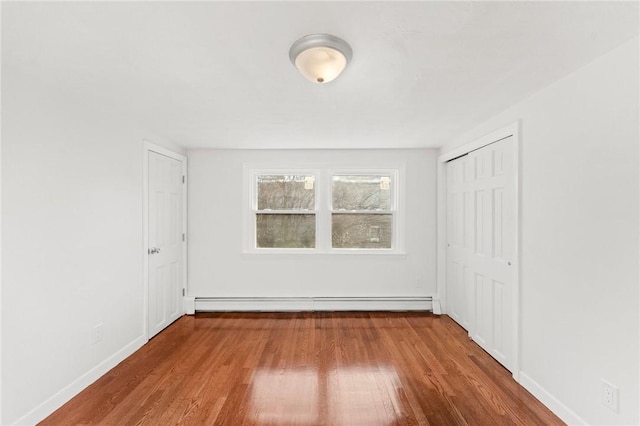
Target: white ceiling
[{"x": 217, "y": 74}]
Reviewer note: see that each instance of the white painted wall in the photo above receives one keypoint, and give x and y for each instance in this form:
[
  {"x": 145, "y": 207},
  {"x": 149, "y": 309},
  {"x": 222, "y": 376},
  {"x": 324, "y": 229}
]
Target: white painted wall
[
  {"x": 0, "y": 223},
  {"x": 580, "y": 229},
  {"x": 72, "y": 239},
  {"x": 72, "y": 244},
  {"x": 218, "y": 267}
]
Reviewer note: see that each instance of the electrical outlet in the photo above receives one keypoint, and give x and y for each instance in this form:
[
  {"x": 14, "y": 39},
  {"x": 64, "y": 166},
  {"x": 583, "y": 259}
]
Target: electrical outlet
[
  {"x": 97, "y": 333},
  {"x": 610, "y": 396}
]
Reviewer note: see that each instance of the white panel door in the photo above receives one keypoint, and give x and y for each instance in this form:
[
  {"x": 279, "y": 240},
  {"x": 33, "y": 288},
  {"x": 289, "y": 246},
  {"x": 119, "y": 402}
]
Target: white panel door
[
  {"x": 481, "y": 238},
  {"x": 165, "y": 242},
  {"x": 460, "y": 239}
]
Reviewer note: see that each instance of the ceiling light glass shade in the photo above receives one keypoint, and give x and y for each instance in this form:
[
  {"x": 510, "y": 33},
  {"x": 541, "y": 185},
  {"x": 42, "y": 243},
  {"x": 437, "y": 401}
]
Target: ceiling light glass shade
[{"x": 320, "y": 57}]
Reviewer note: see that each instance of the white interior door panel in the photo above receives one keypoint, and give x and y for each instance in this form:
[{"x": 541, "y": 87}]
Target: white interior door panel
[
  {"x": 481, "y": 246},
  {"x": 165, "y": 242}
]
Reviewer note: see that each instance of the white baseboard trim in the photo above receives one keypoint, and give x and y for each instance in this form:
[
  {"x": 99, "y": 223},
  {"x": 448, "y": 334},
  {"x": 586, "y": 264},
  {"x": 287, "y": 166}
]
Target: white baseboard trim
[
  {"x": 280, "y": 304},
  {"x": 56, "y": 401},
  {"x": 552, "y": 403},
  {"x": 437, "y": 309},
  {"x": 189, "y": 305}
]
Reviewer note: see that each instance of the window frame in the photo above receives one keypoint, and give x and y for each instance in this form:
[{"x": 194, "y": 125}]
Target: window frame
[
  {"x": 255, "y": 211},
  {"x": 393, "y": 209},
  {"x": 323, "y": 176}
]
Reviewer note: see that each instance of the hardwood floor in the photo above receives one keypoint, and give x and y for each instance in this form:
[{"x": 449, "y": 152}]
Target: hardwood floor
[{"x": 322, "y": 368}]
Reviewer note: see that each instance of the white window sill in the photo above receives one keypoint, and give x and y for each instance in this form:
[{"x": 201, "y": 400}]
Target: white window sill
[{"x": 316, "y": 252}]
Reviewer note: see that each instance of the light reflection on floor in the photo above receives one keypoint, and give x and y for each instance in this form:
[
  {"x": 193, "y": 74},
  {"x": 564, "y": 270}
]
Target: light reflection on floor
[
  {"x": 348, "y": 395},
  {"x": 287, "y": 397}
]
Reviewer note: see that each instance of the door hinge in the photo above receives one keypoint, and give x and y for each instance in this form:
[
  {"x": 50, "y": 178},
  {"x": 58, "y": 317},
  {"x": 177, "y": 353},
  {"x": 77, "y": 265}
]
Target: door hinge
[
  {"x": 183, "y": 237},
  {"x": 183, "y": 292},
  {"x": 182, "y": 179}
]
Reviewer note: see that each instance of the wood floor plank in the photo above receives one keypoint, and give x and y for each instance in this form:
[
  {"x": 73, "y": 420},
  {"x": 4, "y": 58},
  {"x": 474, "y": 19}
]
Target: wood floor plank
[{"x": 322, "y": 368}]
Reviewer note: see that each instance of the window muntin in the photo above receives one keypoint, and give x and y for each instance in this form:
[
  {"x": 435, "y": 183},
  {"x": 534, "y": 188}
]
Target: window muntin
[
  {"x": 285, "y": 215},
  {"x": 362, "y": 211}
]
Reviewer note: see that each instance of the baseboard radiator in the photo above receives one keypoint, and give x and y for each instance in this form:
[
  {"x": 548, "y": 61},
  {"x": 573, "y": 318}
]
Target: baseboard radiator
[{"x": 300, "y": 304}]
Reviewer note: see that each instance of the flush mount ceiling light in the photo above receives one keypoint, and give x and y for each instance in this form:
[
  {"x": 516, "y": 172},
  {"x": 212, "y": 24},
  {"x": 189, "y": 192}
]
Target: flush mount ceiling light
[{"x": 320, "y": 57}]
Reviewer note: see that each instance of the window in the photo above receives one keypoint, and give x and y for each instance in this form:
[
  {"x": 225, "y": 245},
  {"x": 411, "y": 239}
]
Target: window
[
  {"x": 361, "y": 213},
  {"x": 323, "y": 211},
  {"x": 285, "y": 215}
]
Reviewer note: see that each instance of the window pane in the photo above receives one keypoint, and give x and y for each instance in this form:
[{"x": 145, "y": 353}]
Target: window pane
[
  {"x": 286, "y": 192},
  {"x": 361, "y": 230},
  {"x": 286, "y": 230},
  {"x": 361, "y": 192}
]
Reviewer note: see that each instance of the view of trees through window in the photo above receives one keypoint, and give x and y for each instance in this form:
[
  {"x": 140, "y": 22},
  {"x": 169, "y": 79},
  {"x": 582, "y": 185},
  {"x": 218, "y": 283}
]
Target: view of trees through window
[
  {"x": 286, "y": 205},
  {"x": 361, "y": 211}
]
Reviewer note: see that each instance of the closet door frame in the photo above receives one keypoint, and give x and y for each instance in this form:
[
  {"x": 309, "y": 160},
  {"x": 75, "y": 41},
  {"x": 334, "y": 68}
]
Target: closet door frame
[{"x": 511, "y": 130}]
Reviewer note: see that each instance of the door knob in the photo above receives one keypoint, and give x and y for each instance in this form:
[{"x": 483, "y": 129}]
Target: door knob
[{"x": 154, "y": 250}]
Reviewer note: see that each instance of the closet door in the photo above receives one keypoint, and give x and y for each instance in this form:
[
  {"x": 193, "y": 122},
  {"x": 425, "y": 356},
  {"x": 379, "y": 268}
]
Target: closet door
[
  {"x": 460, "y": 242},
  {"x": 481, "y": 238}
]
